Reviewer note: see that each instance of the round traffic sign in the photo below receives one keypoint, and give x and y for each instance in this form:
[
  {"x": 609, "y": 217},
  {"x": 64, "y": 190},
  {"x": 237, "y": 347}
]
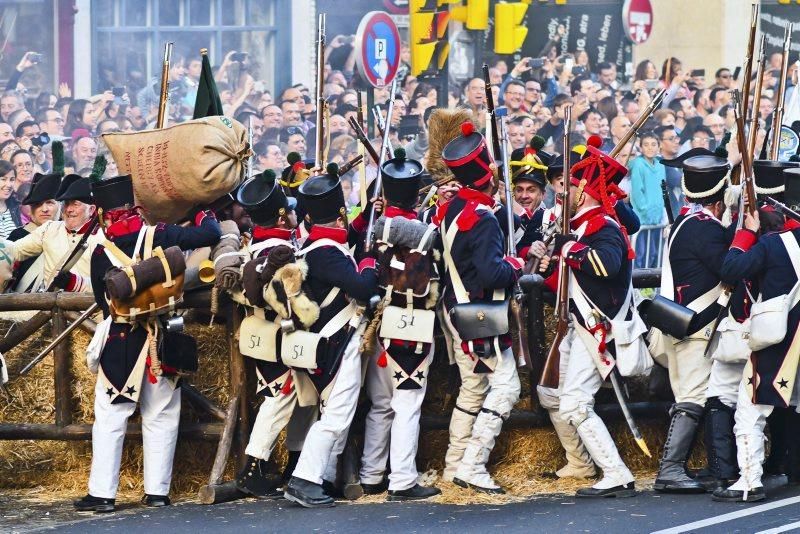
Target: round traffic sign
[
  {"x": 377, "y": 48},
  {"x": 637, "y": 17}
]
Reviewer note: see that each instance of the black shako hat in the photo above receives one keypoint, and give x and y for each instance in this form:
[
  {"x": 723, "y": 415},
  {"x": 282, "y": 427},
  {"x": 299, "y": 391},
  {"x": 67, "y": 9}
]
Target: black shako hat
[
  {"x": 678, "y": 161},
  {"x": 322, "y": 198},
  {"x": 791, "y": 195},
  {"x": 467, "y": 156},
  {"x": 263, "y": 199},
  {"x": 402, "y": 179},
  {"x": 43, "y": 187},
  {"x": 75, "y": 187},
  {"x": 704, "y": 179},
  {"x": 113, "y": 193},
  {"x": 769, "y": 176}
]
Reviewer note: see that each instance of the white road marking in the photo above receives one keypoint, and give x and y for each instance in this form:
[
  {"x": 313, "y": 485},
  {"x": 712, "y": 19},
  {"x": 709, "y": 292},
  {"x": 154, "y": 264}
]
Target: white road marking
[
  {"x": 784, "y": 528},
  {"x": 717, "y": 519}
]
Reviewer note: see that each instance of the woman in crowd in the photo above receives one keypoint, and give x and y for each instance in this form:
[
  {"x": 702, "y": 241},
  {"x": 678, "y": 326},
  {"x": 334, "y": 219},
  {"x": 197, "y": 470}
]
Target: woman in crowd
[
  {"x": 9, "y": 207},
  {"x": 80, "y": 115}
]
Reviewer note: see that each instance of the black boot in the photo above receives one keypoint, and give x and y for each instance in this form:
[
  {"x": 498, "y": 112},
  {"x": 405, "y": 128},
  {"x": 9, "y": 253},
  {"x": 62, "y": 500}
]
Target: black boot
[
  {"x": 720, "y": 442},
  {"x": 94, "y": 504},
  {"x": 778, "y": 422},
  {"x": 414, "y": 493},
  {"x": 255, "y": 480},
  {"x": 291, "y": 463},
  {"x": 155, "y": 501},
  {"x": 793, "y": 457},
  {"x": 672, "y": 477},
  {"x": 307, "y": 494}
]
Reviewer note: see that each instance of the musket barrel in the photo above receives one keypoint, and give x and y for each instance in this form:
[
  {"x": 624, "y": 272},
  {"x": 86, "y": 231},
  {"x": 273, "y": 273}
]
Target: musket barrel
[
  {"x": 748, "y": 62},
  {"x": 649, "y": 110},
  {"x": 777, "y": 116},
  {"x": 320, "y": 124},
  {"x": 164, "y": 94},
  {"x": 762, "y": 60}
]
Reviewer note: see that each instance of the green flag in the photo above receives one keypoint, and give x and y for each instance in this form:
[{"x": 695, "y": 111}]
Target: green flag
[{"x": 208, "y": 102}]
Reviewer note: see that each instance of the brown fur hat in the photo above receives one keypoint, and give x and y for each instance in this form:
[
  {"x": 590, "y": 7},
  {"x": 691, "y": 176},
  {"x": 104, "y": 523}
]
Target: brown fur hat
[{"x": 444, "y": 125}]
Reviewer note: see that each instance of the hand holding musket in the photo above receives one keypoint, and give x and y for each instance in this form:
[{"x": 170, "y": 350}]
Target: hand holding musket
[{"x": 550, "y": 372}]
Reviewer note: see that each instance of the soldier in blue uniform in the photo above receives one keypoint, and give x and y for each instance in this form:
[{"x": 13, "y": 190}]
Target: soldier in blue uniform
[
  {"x": 274, "y": 222},
  {"x": 770, "y": 374},
  {"x": 599, "y": 256},
  {"x": 397, "y": 372},
  {"x": 130, "y": 372},
  {"x": 693, "y": 261},
  {"x": 336, "y": 282},
  {"x": 478, "y": 271}
]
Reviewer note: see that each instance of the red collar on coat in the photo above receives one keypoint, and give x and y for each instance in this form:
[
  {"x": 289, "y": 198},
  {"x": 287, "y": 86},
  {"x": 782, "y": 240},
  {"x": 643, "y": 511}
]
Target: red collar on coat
[
  {"x": 262, "y": 233},
  {"x": 323, "y": 232},
  {"x": 394, "y": 211}
]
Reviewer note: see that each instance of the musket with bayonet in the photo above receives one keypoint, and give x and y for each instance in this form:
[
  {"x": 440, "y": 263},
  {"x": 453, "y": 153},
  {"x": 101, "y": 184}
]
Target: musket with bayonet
[
  {"x": 491, "y": 116},
  {"x": 163, "y": 98},
  {"x": 519, "y": 334},
  {"x": 386, "y": 149},
  {"x": 319, "y": 153},
  {"x": 748, "y": 192},
  {"x": 777, "y": 115}
]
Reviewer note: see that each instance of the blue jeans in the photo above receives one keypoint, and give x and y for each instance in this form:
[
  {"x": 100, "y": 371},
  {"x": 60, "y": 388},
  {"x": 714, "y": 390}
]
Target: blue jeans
[{"x": 647, "y": 244}]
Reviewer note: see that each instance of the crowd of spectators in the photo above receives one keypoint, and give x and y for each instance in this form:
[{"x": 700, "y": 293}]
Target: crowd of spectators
[{"x": 697, "y": 112}]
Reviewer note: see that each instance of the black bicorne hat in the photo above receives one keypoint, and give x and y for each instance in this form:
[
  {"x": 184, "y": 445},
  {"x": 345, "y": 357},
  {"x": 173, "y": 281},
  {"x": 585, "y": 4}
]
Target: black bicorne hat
[
  {"x": 75, "y": 187},
  {"x": 295, "y": 173},
  {"x": 402, "y": 179},
  {"x": 704, "y": 179},
  {"x": 468, "y": 158},
  {"x": 113, "y": 193},
  {"x": 43, "y": 187},
  {"x": 263, "y": 199},
  {"x": 769, "y": 176},
  {"x": 527, "y": 165},
  {"x": 678, "y": 161},
  {"x": 322, "y": 198}
]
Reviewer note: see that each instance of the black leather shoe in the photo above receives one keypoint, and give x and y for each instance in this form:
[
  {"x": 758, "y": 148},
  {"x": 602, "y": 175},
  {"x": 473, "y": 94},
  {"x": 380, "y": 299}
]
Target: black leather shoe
[
  {"x": 155, "y": 501},
  {"x": 94, "y": 504},
  {"x": 375, "y": 489},
  {"x": 481, "y": 489},
  {"x": 414, "y": 493},
  {"x": 712, "y": 484},
  {"x": 727, "y": 495},
  {"x": 331, "y": 490},
  {"x": 255, "y": 480},
  {"x": 623, "y": 490},
  {"x": 679, "y": 486},
  {"x": 307, "y": 494}
]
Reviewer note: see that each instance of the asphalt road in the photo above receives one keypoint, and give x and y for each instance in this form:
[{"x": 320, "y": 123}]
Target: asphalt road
[{"x": 647, "y": 512}]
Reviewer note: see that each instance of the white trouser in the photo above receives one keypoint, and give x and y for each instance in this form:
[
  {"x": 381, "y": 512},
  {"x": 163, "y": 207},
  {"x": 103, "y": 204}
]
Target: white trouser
[
  {"x": 724, "y": 382},
  {"x": 392, "y": 428},
  {"x": 579, "y": 463},
  {"x": 473, "y": 395},
  {"x": 160, "y": 407},
  {"x": 689, "y": 370},
  {"x": 273, "y": 415},
  {"x": 326, "y": 437},
  {"x": 581, "y": 383},
  {"x": 751, "y": 419}
]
